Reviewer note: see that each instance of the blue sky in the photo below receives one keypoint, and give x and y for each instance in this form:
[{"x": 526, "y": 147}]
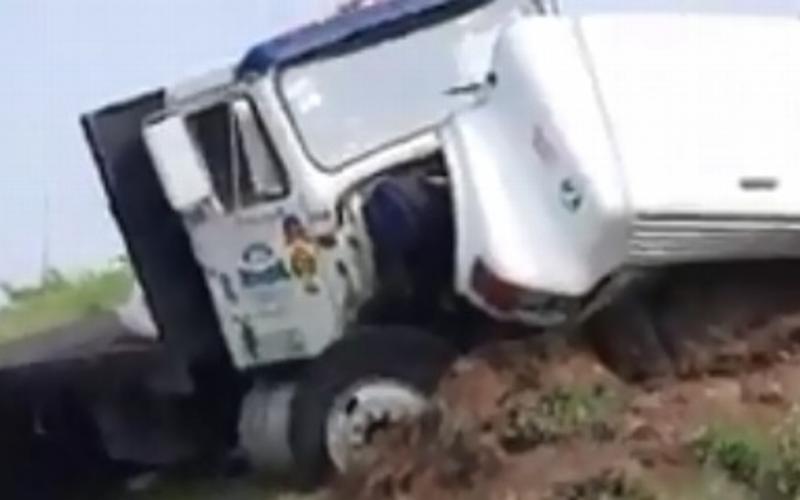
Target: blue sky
[{"x": 64, "y": 57}]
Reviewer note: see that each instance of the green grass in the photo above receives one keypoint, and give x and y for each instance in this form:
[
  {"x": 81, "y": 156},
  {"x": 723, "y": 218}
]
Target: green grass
[
  {"x": 560, "y": 413},
  {"x": 62, "y": 299},
  {"x": 767, "y": 462},
  {"x": 743, "y": 452}
]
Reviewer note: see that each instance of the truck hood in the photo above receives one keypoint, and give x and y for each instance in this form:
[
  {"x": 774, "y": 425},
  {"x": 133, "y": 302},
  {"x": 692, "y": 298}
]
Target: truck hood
[{"x": 704, "y": 110}]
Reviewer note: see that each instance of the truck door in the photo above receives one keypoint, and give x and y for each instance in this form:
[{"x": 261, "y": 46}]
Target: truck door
[{"x": 249, "y": 235}]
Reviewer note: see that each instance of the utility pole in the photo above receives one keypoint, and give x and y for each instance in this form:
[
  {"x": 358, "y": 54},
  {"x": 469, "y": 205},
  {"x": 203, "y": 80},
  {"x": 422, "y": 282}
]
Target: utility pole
[{"x": 45, "y": 250}]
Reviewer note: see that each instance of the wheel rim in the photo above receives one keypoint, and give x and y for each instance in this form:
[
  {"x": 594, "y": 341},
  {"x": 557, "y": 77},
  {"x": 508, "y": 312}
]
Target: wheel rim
[{"x": 361, "y": 412}]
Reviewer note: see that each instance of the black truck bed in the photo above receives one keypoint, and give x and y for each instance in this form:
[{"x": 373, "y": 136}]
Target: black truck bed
[
  {"x": 89, "y": 357},
  {"x": 82, "y": 342}
]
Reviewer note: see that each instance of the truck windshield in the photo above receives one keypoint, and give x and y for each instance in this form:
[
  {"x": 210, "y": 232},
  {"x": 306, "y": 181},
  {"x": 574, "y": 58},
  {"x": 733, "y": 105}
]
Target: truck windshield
[
  {"x": 241, "y": 161},
  {"x": 351, "y": 105}
]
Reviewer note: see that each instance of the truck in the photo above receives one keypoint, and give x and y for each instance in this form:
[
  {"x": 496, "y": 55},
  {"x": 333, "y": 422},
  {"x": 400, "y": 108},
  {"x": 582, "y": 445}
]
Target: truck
[{"x": 306, "y": 224}]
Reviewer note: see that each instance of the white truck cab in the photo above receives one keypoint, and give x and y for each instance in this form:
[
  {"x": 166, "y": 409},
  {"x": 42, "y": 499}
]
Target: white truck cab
[
  {"x": 365, "y": 170},
  {"x": 269, "y": 164}
]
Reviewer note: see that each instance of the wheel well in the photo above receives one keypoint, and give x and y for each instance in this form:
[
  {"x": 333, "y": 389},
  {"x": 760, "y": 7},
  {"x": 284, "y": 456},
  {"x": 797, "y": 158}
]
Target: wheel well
[{"x": 409, "y": 217}]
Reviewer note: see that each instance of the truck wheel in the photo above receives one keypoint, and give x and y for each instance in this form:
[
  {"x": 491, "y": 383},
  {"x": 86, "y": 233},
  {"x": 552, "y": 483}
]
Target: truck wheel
[
  {"x": 625, "y": 335},
  {"x": 264, "y": 429},
  {"x": 361, "y": 384}
]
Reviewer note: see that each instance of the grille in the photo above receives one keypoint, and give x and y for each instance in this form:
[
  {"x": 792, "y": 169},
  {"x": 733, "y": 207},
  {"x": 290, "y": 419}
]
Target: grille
[{"x": 680, "y": 238}]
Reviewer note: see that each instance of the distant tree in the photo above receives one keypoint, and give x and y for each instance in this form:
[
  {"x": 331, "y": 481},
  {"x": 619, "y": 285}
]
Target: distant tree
[
  {"x": 17, "y": 293},
  {"x": 53, "y": 278}
]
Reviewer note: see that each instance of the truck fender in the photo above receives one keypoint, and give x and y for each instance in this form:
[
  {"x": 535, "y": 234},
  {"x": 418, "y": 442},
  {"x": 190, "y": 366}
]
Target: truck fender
[{"x": 520, "y": 224}]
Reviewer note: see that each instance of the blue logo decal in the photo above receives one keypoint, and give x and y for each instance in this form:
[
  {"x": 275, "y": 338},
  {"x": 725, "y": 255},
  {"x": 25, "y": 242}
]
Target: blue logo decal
[
  {"x": 259, "y": 267},
  {"x": 257, "y": 254}
]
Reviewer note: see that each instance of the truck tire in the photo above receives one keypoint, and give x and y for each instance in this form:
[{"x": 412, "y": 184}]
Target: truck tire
[
  {"x": 625, "y": 336},
  {"x": 264, "y": 429},
  {"x": 397, "y": 357}
]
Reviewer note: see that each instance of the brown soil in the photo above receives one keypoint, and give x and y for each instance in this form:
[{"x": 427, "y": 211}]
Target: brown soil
[{"x": 546, "y": 418}]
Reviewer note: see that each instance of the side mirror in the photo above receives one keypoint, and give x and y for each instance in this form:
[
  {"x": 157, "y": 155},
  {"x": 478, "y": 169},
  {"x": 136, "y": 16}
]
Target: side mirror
[{"x": 179, "y": 166}]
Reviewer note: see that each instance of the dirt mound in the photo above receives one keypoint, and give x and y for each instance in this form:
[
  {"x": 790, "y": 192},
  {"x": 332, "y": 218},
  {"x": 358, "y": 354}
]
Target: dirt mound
[{"x": 545, "y": 418}]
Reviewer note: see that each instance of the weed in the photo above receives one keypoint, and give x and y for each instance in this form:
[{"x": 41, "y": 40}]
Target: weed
[
  {"x": 532, "y": 420},
  {"x": 743, "y": 453},
  {"x": 709, "y": 484},
  {"x": 769, "y": 465},
  {"x": 609, "y": 485},
  {"x": 787, "y": 470}
]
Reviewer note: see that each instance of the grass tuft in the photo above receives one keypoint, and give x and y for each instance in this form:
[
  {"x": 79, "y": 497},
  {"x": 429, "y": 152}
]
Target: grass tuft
[
  {"x": 609, "y": 485},
  {"x": 558, "y": 414},
  {"x": 786, "y": 476},
  {"x": 744, "y": 453}
]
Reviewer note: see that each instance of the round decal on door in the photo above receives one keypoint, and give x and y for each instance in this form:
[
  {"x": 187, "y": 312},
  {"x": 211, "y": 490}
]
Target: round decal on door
[{"x": 259, "y": 267}]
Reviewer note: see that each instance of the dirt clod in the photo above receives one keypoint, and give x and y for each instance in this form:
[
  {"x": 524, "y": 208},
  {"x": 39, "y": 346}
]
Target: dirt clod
[{"x": 609, "y": 485}]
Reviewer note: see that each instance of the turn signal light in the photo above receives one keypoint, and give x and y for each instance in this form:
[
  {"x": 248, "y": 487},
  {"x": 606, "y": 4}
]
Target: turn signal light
[{"x": 495, "y": 291}]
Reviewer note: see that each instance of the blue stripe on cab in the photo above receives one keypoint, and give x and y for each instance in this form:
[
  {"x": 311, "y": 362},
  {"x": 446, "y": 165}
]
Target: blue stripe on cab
[{"x": 351, "y": 31}]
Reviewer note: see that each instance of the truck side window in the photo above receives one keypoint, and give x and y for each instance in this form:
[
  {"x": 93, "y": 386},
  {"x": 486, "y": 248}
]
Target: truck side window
[
  {"x": 243, "y": 166},
  {"x": 265, "y": 179}
]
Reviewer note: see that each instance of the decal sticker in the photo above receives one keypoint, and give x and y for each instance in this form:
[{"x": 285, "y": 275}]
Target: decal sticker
[
  {"x": 257, "y": 254},
  {"x": 227, "y": 288},
  {"x": 260, "y": 268},
  {"x": 248, "y": 335},
  {"x": 304, "y": 266},
  {"x": 302, "y": 253},
  {"x": 303, "y": 94}
]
